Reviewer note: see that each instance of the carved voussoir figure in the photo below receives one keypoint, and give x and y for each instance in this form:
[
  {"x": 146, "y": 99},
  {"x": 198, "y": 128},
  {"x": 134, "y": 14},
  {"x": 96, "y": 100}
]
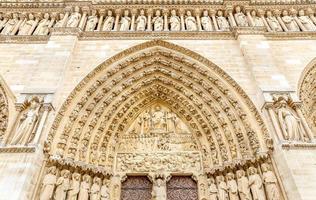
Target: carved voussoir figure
[{"x": 48, "y": 184}]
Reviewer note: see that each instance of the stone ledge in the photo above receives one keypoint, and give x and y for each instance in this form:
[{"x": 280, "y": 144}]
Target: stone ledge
[
  {"x": 18, "y": 149},
  {"x": 298, "y": 145}
]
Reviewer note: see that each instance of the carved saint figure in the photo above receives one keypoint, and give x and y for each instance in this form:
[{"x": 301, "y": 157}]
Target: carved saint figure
[
  {"x": 10, "y": 25},
  {"x": 270, "y": 182},
  {"x": 222, "y": 188},
  {"x": 62, "y": 185},
  {"x": 206, "y": 21},
  {"x": 174, "y": 21},
  {"x": 222, "y": 22},
  {"x": 158, "y": 119},
  {"x": 27, "y": 123},
  {"x": 48, "y": 184},
  {"x": 273, "y": 22},
  {"x": 3, "y": 20},
  {"x": 213, "y": 189},
  {"x": 60, "y": 22},
  {"x": 27, "y": 25},
  {"x": 43, "y": 26},
  {"x": 306, "y": 21},
  {"x": 105, "y": 194},
  {"x": 84, "y": 188},
  {"x": 92, "y": 21},
  {"x": 243, "y": 185},
  {"x": 95, "y": 189},
  {"x": 256, "y": 184},
  {"x": 190, "y": 22},
  {"x": 257, "y": 21},
  {"x": 232, "y": 187},
  {"x": 240, "y": 17},
  {"x": 159, "y": 190},
  {"x": 108, "y": 22},
  {"x": 74, "y": 18},
  {"x": 74, "y": 187},
  {"x": 125, "y": 21},
  {"x": 289, "y": 22},
  {"x": 158, "y": 21},
  {"x": 141, "y": 21}
]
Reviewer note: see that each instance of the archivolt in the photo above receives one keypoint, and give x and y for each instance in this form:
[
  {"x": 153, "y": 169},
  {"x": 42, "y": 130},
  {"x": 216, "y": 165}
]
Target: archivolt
[
  {"x": 4, "y": 110},
  {"x": 224, "y": 121}
]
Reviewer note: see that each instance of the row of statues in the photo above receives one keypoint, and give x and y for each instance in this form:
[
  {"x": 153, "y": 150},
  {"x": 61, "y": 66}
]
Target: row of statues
[{"x": 160, "y": 20}]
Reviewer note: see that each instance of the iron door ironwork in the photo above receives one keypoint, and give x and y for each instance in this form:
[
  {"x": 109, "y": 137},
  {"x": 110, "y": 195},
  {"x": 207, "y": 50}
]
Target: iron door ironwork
[
  {"x": 136, "y": 188},
  {"x": 182, "y": 188}
]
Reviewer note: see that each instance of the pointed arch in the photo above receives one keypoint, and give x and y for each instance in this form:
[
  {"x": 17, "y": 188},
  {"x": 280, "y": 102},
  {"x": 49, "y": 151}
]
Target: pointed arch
[{"x": 224, "y": 121}]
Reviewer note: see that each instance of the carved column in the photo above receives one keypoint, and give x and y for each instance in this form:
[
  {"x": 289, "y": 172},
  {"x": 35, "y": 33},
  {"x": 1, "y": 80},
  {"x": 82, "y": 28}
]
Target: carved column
[
  {"x": 82, "y": 23},
  {"x": 101, "y": 14},
  {"x": 310, "y": 13},
  {"x": 165, "y": 15},
  {"x": 149, "y": 24},
  {"x": 37, "y": 19},
  {"x": 213, "y": 12},
  {"x": 277, "y": 13},
  {"x": 306, "y": 127},
  {"x": 181, "y": 12},
  {"x": 117, "y": 19},
  {"x": 261, "y": 15},
  {"x": 249, "y": 17},
  {"x": 231, "y": 18},
  {"x": 293, "y": 12},
  {"x": 197, "y": 14},
  {"x": 134, "y": 12}
]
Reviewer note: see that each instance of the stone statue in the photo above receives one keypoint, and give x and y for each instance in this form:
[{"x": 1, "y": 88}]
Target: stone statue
[
  {"x": 243, "y": 185},
  {"x": 95, "y": 189},
  {"x": 306, "y": 21},
  {"x": 206, "y": 21},
  {"x": 125, "y": 21},
  {"x": 60, "y": 22},
  {"x": 27, "y": 123},
  {"x": 273, "y": 22},
  {"x": 175, "y": 24},
  {"x": 257, "y": 21},
  {"x": 141, "y": 21},
  {"x": 84, "y": 188},
  {"x": 74, "y": 18},
  {"x": 190, "y": 22},
  {"x": 158, "y": 21},
  {"x": 43, "y": 26},
  {"x": 158, "y": 119},
  {"x": 48, "y": 184},
  {"x": 256, "y": 185},
  {"x": 289, "y": 22},
  {"x": 232, "y": 187},
  {"x": 10, "y": 25},
  {"x": 222, "y": 188},
  {"x": 159, "y": 190},
  {"x": 108, "y": 22},
  {"x": 270, "y": 182},
  {"x": 213, "y": 189},
  {"x": 92, "y": 21},
  {"x": 62, "y": 185},
  {"x": 74, "y": 187},
  {"x": 105, "y": 194},
  {"x": 27, "y": 25},
  {"x": 222, "y": 22},
  {"x": 240, "y": 17}
]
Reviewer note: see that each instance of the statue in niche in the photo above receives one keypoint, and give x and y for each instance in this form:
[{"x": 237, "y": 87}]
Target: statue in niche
[
  {"x": 62, "y": 185},
  {"x": 273, "y": 22},
  {"x": 125, "y": 21},
  {"x": 108, "y": 22},
  {"x": 190, "y": 22},
  {"x": 213, "y": 189},
  {"x": 141, "y": 21},
  {"x": 159, "y": 189},
  {"x": 257, "y": 21},
  {"x": 43, "y": 26},
  {"x": 10, "y": 25},
  {"x": 95, "y": 189},
  {"x": 289, "y": 21},
  {"x": 175, "y": 24},
  {"x": 74, "y": 187},
  {"x": 243, "y": 185},
  {"x": 48, "y": 184},
  {"x": 232, "y": 187},
  {"x": 27, "y": 123},
  {"x": 222, "y": 22},
  {"x": 84, "y": 187},
  {"x": 158, "y": 21},
  {"x": 74, "y": 18},
  {"x": 105, "y": 194},
  {"x": 222, "y": 188},
  {"x": 92, "y": 21},
  {"x": 27, "y": 25},
  {"x": 240, "y": 17},
  {"x": 306, "y": 21},
  {"x": 206, "y": 21},
  {"x": 256, "y": 185},
  {"x": 270, "y": 182},
  {"x": 60, "y": 22}
]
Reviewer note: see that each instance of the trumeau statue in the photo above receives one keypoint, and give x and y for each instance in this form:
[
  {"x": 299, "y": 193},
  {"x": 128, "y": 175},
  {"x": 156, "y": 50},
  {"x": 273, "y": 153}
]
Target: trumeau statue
[
  {"x": 27, "y": 123},
  {"x": 48, "y": 184},
  {"x": 270, "y": 182},
  {"x": 243, "y": 185},
  {"x": 141, "y": 21},
  {"x": 213, "y": 189},
  {"x": 62, "y": 185},
  {"x": 256, "y": 20},
  {"x": 125, "y": 21},
  {"x": 174, "y": 21},
  {"x": 190, "y": 22},
  {"x": 108, "y": 22},
  {"x": 222, "y": 188},
  {"x": 240, "y": 17},
  {"x": 206, "y": 21},
  {"x": 74, "y": 18},
  {"x": 256, "y": 184},
  {"x": 273, "y": 22},
  {"x": 232, "y": 187},
  {"x": 306, "y": 21},
  {"x": 158, "y": 21},
  {"x": 27, "y": 25},
  {"x": 105, "y": 193},
  {"x": 222, "y": 22},
  {"x": 75, "y": 187},
  {"x": 10, "y": 25},
  {"x": 43, "y": 26},
  {"x": 289, "y": 21},
  {"x": 95, "y": 189},
  {"x": 92, "y": 21},
  {"x": 60, "y": 22},
  {"x": 159, "y": 189},
  {"x": 84, "y": 187}
]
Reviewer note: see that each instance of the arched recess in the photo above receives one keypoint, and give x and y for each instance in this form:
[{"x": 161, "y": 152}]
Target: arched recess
[
  {"x": 225, "y": 124},
  {"x": 307, "y": 93}
]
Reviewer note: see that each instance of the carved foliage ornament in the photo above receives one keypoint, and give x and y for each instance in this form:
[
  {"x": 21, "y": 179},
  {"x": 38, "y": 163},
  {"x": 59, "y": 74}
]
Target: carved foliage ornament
[{"x": 4, "y": 113}]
